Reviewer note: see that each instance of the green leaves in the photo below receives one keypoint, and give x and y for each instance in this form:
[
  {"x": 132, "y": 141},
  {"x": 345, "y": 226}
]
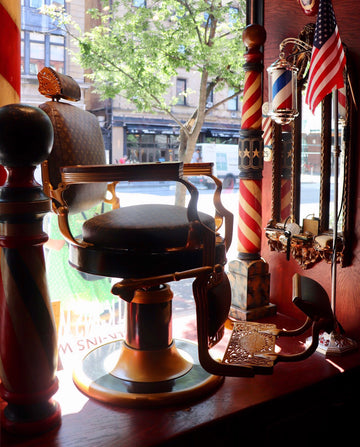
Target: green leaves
[{"x": 136, "y": 52}]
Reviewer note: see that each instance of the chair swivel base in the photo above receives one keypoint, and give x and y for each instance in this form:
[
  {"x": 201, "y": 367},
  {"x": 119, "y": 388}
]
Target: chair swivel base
[{"x": 101, "y": 376}]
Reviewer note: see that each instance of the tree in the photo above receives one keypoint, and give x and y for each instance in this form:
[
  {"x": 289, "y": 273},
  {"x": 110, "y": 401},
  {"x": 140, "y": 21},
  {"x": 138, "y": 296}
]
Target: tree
[{"x": 135, "y": 52}]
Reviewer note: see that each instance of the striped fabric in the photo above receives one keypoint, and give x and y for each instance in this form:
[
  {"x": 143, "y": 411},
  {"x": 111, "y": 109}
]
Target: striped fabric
[
  {"x": 327, "y": 60},
  {"x": 10, "y": 74},
  {"x": 10, "y": 37}
]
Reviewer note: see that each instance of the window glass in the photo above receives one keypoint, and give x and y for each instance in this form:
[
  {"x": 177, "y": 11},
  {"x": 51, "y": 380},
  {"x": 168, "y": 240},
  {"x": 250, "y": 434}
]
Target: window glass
[
  {"x": 39, "y": 37},
  {"x": 56, "y": 53},
  {"x": 36, "y": 3},
  {"x": 233, "y": 102},
  {"x": 37, "y": 51},
  {"x": 221, "y": 161},
  {"x": 233, "y": 15},
  {"x": 180, "y": 91},
  {"x": 22, "y": 57},
  {"x": 139, "y": 3},
  {"x": 210, "y": 98},
  {"x": 54, "y": 38}
]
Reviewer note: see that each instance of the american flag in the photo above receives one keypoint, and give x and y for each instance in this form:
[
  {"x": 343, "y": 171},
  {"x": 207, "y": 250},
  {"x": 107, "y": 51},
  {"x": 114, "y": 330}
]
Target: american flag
[{"x": 327, "y": 58}]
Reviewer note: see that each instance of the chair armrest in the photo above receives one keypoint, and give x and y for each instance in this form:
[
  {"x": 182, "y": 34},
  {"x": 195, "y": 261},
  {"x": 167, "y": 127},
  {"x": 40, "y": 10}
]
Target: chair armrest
[
  {"x": 222, "y": 214},
  {"x": 173, "y": 171},
  {"x": 132, "y": 172}
]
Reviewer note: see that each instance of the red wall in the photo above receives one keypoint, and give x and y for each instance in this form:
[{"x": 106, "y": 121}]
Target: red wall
[{"x": 286, "y": 19}]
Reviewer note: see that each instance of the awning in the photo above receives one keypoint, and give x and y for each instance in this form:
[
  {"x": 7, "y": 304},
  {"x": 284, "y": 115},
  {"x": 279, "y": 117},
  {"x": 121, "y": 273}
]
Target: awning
[
  {"x": 148, "y": 129},
  {"x": 166, "y": 127}
]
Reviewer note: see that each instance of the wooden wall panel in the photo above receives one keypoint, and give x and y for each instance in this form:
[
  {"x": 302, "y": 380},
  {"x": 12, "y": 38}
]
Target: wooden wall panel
[{"x": 285, "y": 19}]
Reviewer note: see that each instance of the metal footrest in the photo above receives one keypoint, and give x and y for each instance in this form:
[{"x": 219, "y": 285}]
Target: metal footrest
[{"x": 249, "y": 342}]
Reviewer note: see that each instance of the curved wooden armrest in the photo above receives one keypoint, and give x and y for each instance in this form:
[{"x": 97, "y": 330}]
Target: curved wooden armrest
[
  {"x": 222, "y": 214},
  {"x": 141, "y": 172}
]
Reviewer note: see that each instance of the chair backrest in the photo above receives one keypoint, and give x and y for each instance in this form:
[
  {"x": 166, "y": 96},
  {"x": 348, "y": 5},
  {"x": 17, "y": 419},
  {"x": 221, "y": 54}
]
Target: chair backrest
[{"x": 77, "y": 140}]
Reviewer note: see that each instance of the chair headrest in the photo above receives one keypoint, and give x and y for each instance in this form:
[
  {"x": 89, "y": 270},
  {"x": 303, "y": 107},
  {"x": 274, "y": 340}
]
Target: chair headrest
[{"x": 55, "y": 85}]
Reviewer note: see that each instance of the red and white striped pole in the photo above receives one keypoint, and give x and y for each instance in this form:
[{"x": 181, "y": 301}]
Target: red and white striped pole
[
  {"x": 10, "y": 57},
  {"x": 249, "y": 228},
  {"x": 248, "y": 274}
]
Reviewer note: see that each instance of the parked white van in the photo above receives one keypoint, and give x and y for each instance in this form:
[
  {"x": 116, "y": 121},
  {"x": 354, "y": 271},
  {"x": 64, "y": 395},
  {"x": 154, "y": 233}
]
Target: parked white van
[{"x": 225, "y": 158}]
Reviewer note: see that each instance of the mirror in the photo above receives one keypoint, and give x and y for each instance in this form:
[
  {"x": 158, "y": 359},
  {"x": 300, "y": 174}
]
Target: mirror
[{"x": 304, "y": 159}]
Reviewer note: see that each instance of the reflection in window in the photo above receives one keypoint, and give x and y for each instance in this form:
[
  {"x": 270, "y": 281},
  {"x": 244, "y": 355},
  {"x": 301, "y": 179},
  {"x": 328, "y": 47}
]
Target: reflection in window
[
  {"x": 181, "y": 91},
  {"x": 139, "y": 3},
  {"x": 42, "y": 49},
  {"x": 151, "y": 147},
  {"x": 36, "y": 3},
  {"x": 310, "y": 162},
  {"x": 221, "y": 161},
  {"x": 233, "y": 15},
  {"x": 210, "y": 98}
]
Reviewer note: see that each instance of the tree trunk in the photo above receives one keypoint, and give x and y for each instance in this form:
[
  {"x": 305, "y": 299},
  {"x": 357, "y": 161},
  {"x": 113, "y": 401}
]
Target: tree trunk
[{"x": 186, "y": 151}]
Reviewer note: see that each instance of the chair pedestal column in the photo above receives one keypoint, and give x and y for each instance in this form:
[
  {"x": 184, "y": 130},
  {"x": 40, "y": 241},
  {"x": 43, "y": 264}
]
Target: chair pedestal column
[
  {"x": 148, "y": 367},
  {"x": 149, "y": 354}
]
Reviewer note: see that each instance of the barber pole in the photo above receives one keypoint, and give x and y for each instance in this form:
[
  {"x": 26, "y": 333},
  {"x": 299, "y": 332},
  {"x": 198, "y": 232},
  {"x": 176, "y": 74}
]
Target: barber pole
[
  {"x": 282, "y": 90},
  {"x": 249, "y": 274},
  {"x": 10, "y": 56},
  {"x": 250, "y": 160},
  {"x": 10, "y": 74}
]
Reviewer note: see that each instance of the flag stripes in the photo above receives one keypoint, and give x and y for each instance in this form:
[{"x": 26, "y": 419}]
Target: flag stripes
[{"x": 327, "y": 59}]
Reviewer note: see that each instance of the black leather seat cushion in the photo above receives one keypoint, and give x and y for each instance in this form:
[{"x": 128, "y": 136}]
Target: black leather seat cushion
[{"x": 145, "y": 227}]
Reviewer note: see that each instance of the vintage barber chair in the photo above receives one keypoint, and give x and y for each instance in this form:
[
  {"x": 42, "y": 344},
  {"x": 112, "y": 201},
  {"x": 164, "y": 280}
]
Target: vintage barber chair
[{"x": 149, "y": 246}]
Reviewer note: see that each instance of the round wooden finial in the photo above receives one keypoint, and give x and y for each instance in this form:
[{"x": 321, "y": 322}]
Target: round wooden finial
[
  {"x": 26, "y": 135},
  {"x": 254, "y": 36}
]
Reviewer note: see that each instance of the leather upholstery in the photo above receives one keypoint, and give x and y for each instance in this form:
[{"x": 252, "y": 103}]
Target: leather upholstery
[
  {"x": 77, "y": 141},
  {"x": 147, "y": 227}
]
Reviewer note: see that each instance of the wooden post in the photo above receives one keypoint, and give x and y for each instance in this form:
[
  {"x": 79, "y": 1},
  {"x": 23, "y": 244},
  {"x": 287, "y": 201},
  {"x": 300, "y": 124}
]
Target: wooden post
[
  {"x": 28, "y": 346},
  {"x": 249, "y": 277}
]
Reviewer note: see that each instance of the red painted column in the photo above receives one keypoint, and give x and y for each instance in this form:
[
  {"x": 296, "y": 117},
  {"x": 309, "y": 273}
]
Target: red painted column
[
  {"x": 10, "y": 57},
  {"x": 248, "y": 274},
  {"x": 28, "y": 346}
]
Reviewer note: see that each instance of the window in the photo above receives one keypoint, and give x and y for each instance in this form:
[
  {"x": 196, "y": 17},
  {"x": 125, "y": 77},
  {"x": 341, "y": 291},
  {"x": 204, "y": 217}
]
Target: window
[
  {"x": 233, "y": 15},
  {"x": 42, "y": 44},
  {"x": 181, "y": 91},
  {"x": 139, "y": 3},
  {"x": 233, "y": 103},
  {"x": 151, "y": 147},
  {"x": 36, "y": 3},
  {"x": 41, "y": 49},
  {"x": 210, "y": 97}
]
